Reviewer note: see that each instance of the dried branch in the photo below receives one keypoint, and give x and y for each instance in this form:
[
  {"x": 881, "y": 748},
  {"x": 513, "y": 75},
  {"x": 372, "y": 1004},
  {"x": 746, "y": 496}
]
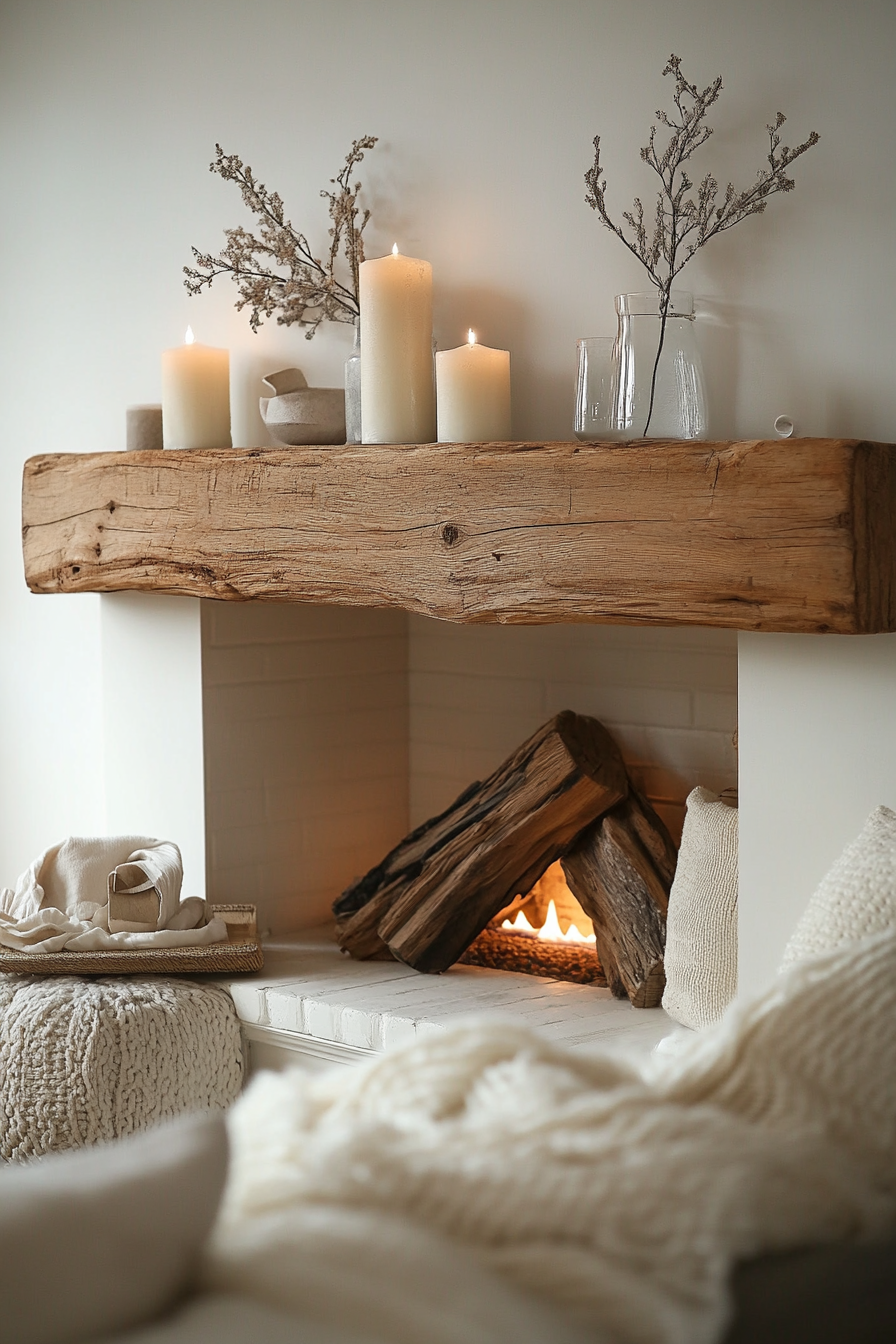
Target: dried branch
[
  {"x": 275, "y": 271},
  {"x": 685, "y": 220}
]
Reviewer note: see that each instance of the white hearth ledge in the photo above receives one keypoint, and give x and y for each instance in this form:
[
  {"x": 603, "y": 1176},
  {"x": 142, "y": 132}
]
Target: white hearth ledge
[{"x": 313, "y": 1006}]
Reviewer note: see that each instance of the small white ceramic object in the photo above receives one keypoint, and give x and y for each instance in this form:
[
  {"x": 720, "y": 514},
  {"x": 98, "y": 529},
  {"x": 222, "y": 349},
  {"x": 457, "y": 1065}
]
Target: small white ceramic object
[{"x": 298, "y": 414}]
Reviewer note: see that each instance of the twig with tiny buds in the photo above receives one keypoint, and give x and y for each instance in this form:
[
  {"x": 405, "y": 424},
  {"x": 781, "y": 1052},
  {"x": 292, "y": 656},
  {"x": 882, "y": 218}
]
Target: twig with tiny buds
[
  {"x": 684, "y": 219},
  {"x": 275, "y": 272}
]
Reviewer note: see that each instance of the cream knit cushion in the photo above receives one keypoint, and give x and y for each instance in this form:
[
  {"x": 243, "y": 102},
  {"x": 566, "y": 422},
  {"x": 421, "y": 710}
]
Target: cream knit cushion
[
  {"x": 82, "y": 1060},
  {"x": 856, "y": 898},
  {"x": 701, "y": 933}
]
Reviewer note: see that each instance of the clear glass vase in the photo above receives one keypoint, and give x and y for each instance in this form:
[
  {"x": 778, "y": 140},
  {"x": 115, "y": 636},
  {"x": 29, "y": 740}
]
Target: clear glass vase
[
  {"x": 353, "y": 390},
  {"x": 660, "y": 391}
]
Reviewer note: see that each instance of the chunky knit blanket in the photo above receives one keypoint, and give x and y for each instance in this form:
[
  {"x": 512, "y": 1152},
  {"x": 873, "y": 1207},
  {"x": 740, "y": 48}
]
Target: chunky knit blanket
[{"x": 415, "y": 1197}]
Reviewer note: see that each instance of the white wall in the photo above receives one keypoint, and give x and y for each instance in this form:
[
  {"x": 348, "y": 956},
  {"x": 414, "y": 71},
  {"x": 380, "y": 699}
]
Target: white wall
[
  {"x": 817, "y": 755},
  {"x": 109, "y": 113},
  {"x": 152, "y": 724}
]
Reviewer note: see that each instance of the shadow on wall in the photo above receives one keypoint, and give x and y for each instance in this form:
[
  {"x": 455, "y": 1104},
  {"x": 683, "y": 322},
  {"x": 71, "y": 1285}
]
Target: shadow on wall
[{"x": 719, "y": 339}]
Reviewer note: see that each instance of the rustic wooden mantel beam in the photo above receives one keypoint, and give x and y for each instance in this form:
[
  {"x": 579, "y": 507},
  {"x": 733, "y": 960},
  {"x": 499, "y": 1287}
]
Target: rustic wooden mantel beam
[{"x": 796, "y": 536}]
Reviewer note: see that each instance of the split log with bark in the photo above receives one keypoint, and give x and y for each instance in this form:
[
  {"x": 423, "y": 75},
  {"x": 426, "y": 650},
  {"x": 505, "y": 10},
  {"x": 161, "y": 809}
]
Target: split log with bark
[
  {"x": 564, "y": 793},
  {"x": 438, "y": 889},
  {"x": 620, "y": 871}
]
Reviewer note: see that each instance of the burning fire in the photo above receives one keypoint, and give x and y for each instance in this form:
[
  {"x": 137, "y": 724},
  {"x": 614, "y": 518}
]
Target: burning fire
[{"x": 550, "y": 931}]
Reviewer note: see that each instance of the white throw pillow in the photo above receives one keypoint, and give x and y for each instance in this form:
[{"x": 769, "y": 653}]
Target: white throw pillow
[
  {"x": 856, "y": 898},
  {"x": 107, "y": 1237},
  {"x": 701, "y": 932}
]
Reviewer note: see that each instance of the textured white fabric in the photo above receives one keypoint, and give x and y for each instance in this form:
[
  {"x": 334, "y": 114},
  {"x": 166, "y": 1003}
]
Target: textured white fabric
[
  {"x": 623, "y": 1196},
  {"x": 108, "y": 1237},
  {"x": 90, "y": 894},
  {"x": 701, "y": 930},
  {"x": 218, "y": 1318},
  {"x": 858, "y": 895},
  {"x": 82, "y": 1060}
]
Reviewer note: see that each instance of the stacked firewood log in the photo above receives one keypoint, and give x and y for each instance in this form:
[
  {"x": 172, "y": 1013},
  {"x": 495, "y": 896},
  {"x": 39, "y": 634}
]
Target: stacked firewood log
[{"x": 564, "y": 794}]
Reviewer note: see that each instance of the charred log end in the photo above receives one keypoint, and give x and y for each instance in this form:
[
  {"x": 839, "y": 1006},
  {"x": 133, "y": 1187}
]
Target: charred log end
[
  {"x": 593, "y": 750},
  {"x": 649, "y": 993},
  {"x": 358, "y": 935}
]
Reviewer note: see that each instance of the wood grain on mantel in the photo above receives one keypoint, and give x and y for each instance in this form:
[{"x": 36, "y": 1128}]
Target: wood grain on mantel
[{"x": 788, "y": 536}]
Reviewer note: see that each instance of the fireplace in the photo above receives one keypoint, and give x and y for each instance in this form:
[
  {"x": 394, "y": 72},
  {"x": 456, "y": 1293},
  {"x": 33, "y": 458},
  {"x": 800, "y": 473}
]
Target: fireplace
[{"x": 307, "y": 737}]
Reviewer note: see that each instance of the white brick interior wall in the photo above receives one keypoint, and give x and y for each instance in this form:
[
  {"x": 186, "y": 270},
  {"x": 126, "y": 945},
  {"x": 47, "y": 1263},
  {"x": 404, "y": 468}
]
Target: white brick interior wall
[
  {"x": 669, "y": 696},
  {"x": 329, "y": 731},
  {"x": 306, "y": 752}
]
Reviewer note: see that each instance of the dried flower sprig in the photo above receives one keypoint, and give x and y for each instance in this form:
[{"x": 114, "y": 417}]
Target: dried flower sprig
[
  {"x": 685, "y": 220},
  {"x": 309, "y": 292}
]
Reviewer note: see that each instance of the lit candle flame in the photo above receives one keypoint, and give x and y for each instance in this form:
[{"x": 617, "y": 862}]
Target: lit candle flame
[
  {"x": 550, "y": 932},
  {"x": 189, "y": 338},
  {"x": 471, "y": 336},
  {"x": 395, "y": 249}
]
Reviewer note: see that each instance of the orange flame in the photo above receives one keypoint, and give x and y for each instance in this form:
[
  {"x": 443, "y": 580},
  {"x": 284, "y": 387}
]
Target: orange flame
[{"x": 550, "y": 931}]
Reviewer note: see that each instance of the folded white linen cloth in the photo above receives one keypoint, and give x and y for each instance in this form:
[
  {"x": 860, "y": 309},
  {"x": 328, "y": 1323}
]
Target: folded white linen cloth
[{"x": 89, "y": 894}]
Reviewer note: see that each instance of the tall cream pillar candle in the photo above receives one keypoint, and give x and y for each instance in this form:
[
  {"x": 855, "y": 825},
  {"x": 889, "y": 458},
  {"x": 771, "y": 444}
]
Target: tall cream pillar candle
[
  {"x": 397, "y": 388},
  {"x": 196, "y": 396},
  {"x": 473, "y": 394}
]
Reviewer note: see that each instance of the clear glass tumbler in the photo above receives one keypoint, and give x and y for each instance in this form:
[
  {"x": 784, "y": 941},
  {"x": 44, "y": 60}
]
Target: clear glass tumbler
[
  {"x": 660, "y": 388},
  {"x": 596, "y": 388},
  {"x": 353, "y": 390}
]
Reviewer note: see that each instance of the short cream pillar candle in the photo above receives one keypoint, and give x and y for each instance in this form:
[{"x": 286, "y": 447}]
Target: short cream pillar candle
[
  {"x": 473, "y": 394},
  {"x": 196, "y": 396},
  {"x": 397, "y": 386}
]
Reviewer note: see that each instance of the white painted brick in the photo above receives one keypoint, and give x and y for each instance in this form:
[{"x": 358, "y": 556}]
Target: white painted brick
[
  {"x": 306, "y": 752},
  {"x": 294, "y": 699},
  {"x": 432, "y": 794},
  {"x": 654, "y": 705},
  {"x": 716, "y": 709},
  {"x": 494, "y": 732},
  {"x": 467, "y": 761},
  {"x": 284, "y": 1011},
  {"x": 340, "y": 657},
  {"x": 398, "y": 1031},
  {"x": 235, "y": 624},
  {"x": 250, "y": 1001},
  {"x": 303, "y": 661},
  {"x": 444, "y": 691},
  {"x": 320, "y": 1018},
  {"x": 222, "y": 805},
  {"x": 428, "y": 1029},
  {"x": 642, "y": 683},
  {"x": 691, "y": 751},
  {"x": 375, "y": 1005},
  {"x": 358, "y": 1027},
  {"x": 330, "y": 730}
]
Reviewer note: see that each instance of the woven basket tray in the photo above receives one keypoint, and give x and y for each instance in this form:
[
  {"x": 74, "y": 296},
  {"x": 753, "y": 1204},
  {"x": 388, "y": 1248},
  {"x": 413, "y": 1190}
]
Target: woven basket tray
[{"x": 241, "y": 952}]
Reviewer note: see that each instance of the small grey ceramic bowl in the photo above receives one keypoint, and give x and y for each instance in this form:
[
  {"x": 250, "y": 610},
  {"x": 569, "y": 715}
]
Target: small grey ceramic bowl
[{"x": 298, "y": 414}]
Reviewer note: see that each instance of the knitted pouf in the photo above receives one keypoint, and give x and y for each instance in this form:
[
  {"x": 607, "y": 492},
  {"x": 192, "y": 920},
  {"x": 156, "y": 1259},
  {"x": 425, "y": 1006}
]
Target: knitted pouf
[{"x": 83, "y": 1060}]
